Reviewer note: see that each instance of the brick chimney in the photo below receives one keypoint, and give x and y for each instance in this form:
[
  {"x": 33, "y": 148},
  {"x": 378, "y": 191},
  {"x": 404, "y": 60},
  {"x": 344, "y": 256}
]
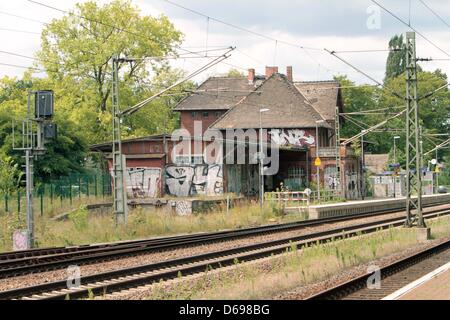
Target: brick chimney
[
  {"x": 289, "y": 73},
  {"x": 270, "y": 71},
  {"x": 251, "y": 76}
]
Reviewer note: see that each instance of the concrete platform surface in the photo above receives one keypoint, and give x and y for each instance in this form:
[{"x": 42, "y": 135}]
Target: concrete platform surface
[{"x": 433, "y": 286}]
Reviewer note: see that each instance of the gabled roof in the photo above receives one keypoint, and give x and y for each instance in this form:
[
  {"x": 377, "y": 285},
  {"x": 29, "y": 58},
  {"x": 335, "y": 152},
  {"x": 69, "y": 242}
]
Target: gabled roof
[
  {"x": 288, "y": 108},
  {"x": 216, "y": 93},
  {"x": 107, "y": 146},
  {"x": 323, "y": 95}
]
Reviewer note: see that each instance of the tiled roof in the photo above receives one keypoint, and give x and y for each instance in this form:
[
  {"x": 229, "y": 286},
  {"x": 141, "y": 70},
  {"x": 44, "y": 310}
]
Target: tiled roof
[
  {"x": 323, "y": 95},
  {"x": 288, "y": 108},
  {"x": 216, "y": 93}
]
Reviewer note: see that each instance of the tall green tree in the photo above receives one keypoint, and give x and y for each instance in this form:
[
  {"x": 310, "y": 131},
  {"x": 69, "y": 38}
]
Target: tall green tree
[
  {"x": 396, "y": 60},
  {"x": 64, "y": 155},
  {"x": 78, "y": 49}
]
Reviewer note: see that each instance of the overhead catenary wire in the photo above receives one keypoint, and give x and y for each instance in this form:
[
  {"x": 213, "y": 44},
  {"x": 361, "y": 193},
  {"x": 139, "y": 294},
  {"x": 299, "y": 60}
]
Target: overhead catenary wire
[
  {"x": 377, "y": 126},
  {"x": 20, "y": 66},
  {"x": 365, "y": 74},
  {"x": 367, "y": 51},
  {"x": 241, "y": 28},
  {"x": 21, "y": 17},
  {"x": 19, "y": 31},
  {"x": 141, "y": 104},
  {"x": 119, "y": 29},
  {"x": 435, "y": 13},
  {"x": 265, "y": 36},
  {"x": 411, "y": 27},
  {"x": 104, "y": 24}
]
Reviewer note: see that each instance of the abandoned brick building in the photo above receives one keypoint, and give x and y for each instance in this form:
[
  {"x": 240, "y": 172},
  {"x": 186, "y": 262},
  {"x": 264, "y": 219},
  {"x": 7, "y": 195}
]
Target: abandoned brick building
[{"x": 293, "y": 112}]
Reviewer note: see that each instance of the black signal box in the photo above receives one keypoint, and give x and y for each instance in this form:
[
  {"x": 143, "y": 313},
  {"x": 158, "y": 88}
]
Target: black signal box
[
  {"x": 50, "y": 131},
  {"x": 43, "y": 104}
]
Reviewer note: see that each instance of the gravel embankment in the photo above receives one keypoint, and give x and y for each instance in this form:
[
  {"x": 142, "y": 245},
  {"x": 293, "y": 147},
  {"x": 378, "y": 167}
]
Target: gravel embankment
[{"x": 89, "y": 269}]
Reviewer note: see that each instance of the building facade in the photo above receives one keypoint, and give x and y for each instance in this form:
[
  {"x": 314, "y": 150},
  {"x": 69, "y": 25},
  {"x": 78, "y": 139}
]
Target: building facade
[{"x": 235, "y": 117}]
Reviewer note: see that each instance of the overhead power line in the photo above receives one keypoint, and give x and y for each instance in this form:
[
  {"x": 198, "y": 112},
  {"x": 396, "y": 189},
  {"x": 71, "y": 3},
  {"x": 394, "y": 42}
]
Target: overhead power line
[
  {"x": 367, "y": 51},
  {"x": 435, "y": 13},
  {"x": 20, "y": 31},
  {"x": 119, "y": 29},
  {"x": 104, "y": 24},
  {"x": 21, "y": 17},
  {"x": 366, "y": 75},
  {"x": 20, "y": 66},
  {"x": 412, "y": 28},
  {"x": 265, "y": 36},
  {"x": 241, "y": 28}
]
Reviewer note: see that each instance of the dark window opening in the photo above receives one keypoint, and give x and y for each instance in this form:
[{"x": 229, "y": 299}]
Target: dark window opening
[{"x": 205, "y": 114}]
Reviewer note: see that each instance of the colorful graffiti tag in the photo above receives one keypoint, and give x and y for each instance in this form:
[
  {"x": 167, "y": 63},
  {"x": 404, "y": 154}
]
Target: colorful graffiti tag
[{"x": 183, "y": 181}]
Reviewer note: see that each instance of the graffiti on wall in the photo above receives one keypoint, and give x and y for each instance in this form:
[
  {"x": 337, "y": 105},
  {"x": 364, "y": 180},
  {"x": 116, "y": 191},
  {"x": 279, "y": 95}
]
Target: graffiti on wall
[
  {"x": 143, "y": 182},
  {"x": 183, "y": 181},
  {"x": 294, "y": 137},
  {"x": 181, "y": 207},
  {"x": 352, "y": 187},
  {"x": 330, "y": 178}
]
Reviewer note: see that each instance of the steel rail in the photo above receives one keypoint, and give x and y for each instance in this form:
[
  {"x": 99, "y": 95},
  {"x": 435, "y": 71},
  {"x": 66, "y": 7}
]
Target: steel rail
[
  {"x": 110, "y": 251},
  {"x": 354, "y": 285},
  {"x": 86, "y": 254},
  {"x": 116, "y": 280}
]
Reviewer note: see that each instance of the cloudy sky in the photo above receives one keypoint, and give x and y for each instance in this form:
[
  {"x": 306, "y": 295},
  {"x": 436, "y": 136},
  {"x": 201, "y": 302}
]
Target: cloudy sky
[{"x": 332, "y": 24}]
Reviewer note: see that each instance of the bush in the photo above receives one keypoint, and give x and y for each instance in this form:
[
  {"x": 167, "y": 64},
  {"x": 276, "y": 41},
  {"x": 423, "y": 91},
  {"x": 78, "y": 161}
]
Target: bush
[{"x": 79, "y": 218}]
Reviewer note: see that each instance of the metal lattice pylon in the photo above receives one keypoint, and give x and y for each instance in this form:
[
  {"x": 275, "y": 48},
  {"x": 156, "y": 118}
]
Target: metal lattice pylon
[
  {"x": 413, "y": 170},
  {"x": 120, "y": 205}
]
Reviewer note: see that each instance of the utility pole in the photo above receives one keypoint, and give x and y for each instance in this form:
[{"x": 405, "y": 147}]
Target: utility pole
[
  {"x": 363, "y": 186},
  {"x": 413, "y": 174},
  {"x": 261, "y": 159},
  {"x": 29, "y": 195},
  {"x": 337, "y": 133},
  {"x": 395, "y": 162},
  {"x": 120, "y": 202}
]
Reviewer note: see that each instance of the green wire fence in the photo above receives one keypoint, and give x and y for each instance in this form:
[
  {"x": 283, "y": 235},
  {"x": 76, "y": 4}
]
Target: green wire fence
[{"x": 59, "y": 195}]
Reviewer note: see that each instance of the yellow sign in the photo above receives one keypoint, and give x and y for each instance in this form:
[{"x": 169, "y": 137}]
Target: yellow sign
[
  {"x": 317, "y": 162},
  {"x": 437, "y": 169}
]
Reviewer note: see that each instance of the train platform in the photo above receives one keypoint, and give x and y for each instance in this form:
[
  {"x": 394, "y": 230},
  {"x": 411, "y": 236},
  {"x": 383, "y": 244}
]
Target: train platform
[{"x": 433, "y": 286}]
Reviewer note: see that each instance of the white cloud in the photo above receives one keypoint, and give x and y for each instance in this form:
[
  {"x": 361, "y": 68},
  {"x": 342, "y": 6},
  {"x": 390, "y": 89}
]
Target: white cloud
[{"x": 331, "y": 24}]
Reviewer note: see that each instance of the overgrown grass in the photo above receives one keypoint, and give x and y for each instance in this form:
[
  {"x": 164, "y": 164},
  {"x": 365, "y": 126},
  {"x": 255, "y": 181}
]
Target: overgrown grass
[
  {"x": 83, "y": 228},
  {"x": 297, "y": 268}
]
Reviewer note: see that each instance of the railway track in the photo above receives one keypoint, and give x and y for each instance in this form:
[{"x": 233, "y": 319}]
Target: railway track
[
  {"x": 39, "y": 260},
  {"x": 393, "y": 276},
  {"x": 126, "y": 278}
]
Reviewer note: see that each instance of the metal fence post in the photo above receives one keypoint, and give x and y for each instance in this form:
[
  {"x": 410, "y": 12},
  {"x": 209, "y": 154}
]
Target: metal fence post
[
  {"x": 70, "y": 192},
  {"x": 95, "y": 186},
  {"x": 6, "y": 203},
  {"x": 51, "y": 193},
  {"x": 79, "y": 187},
  {"x": 87, "y": 186},
  {"x": 42, "y": 191},
  {"x": 103, "y": 185}
]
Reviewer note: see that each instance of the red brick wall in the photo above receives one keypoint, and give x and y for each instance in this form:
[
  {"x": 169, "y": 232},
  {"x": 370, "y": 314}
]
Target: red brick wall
[{"x": 187, "y": 119}]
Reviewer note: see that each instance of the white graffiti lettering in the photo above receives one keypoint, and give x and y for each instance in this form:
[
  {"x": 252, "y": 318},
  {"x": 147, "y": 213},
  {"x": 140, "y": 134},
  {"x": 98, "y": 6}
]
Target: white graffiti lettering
[
  {"x": 295, "y": 137},
  {"x": 143, "y": 182},
  {"x": 183, "y": 181}
]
